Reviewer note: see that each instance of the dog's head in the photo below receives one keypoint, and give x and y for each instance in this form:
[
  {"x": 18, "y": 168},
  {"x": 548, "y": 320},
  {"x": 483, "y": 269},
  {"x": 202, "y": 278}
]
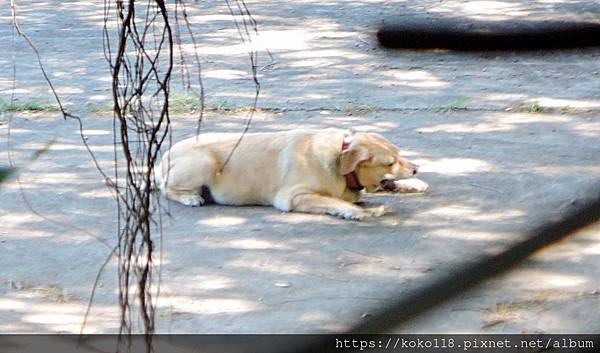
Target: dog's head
[{"x": 375, "y": 160}]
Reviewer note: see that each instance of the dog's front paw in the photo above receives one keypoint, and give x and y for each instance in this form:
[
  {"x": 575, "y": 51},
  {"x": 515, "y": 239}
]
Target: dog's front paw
[
  {"x": 192, "y": 200},
  {"x": 355, "y": 215},
  {"x": 409, "y": 185}
]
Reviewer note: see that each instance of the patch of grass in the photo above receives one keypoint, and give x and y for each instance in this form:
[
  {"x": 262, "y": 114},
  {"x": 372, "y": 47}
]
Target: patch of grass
[
  {"x": 29, "y": 105},
  {"x": 534, "y": 107},
  {"x": 183, "y": 102},
  {"x": 178, "y": 103},
  {"x": 224, "y": 105},
  {"x": 54, "y": 293},
  {"x": 20, "y": 285},
  {"x": 454, "y": 105},
  {"x": 358, "y": 107},
  {"x": 571, "y": 110},
  {"x": 351, "y": 107}
]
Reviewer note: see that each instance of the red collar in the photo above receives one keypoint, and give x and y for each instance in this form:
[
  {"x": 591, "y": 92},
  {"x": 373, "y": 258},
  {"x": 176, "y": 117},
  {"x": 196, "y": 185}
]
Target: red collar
[{"x": 351, "y": 178}]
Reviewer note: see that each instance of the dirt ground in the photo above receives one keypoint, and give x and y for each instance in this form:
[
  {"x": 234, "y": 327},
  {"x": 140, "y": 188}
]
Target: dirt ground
[{"x": 505, "y": 140}]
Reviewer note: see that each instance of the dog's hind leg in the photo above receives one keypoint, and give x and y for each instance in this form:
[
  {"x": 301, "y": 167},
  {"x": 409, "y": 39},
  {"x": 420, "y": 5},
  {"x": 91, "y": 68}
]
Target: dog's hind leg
[{"x": 183, "y": 178}]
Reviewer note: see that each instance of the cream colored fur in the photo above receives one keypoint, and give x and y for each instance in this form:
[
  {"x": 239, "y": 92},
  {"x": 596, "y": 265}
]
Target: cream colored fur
[{"x": 299, "y": 170}]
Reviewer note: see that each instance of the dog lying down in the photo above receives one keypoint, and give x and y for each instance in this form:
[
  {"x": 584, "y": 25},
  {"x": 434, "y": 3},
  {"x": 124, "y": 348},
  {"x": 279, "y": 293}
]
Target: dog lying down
[{"x": 313, "y": 171}]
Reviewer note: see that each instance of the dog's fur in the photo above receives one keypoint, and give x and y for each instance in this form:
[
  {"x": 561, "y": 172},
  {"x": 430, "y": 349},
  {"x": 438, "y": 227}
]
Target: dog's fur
[{"x": 299, "y": 170}]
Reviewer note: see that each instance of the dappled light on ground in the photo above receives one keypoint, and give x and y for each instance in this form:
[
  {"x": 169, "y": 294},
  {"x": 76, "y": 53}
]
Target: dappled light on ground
[
  {"x": 455, "y": 166},
  {"x": 504, "y": 140}
]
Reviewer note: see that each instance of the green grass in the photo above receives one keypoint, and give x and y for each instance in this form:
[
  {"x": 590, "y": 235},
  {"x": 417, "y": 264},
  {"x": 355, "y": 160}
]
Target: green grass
[
  {"x": 178, "y": 103},
  {"x": 29, "y": 105},
  {"x": 358, "y": 107},
  {"x": 224, "y": 105},
  {"x": 534, "y": 107},
  {"x": 183, "y": 102},
  {"x": 454, "y": 105},
  {"x": 351, "y": 107}
]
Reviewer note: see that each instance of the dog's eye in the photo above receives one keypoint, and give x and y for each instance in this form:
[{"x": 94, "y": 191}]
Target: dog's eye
[{"x": 391, "y": 164}]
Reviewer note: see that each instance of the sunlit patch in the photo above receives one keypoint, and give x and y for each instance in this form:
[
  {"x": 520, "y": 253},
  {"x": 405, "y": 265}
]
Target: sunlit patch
[
  {"x": 456, "y": 166},
  {"x": 470, "y": 235},
  {"x": 225, "y": 74},
  {"x": 214, "y": 282},
  {"x": 288, "y": 40},
  {"x": 210, "y": 306},
  {"x": 473, "y": 213},
  {"x": 100, "y": 98},
  {"x": 249, "y": 243},
  {"x": 75, "y": 147},
  {"x": 316, "y": 96},
  {"x": 53, "y": 319},
  {"x": 17, "y": 220},
  {"x": 566, "y": 103},
  {"x": 223, "y": 221},
  {"x": 11, "y": 304},
  {"x": 95, "y": 132},
  {"x": 592, "y": 249},
  {"x": 202, "y": 282},
  {"x": 56, "y": 178},
  {"x": 461, "y": 128},
  {"x": 524, "y": 118},
  {"x": 548, "y": 280},
  {"x": 68, "y": 90},
  {"x": 315, "y": 316},
  {"x": 316, "y": 62},
  {"x": 487, "y": 7},
  {"x": 418, "y": 78},
  {"x": 254, "y": 244},
  {"x": 591, "y": 129},
  {"x": 563, "y": 280}
]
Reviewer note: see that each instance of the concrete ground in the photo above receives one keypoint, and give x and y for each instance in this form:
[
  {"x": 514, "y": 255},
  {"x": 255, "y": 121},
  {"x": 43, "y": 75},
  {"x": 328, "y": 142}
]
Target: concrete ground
[{"x": 505, "y": 140}]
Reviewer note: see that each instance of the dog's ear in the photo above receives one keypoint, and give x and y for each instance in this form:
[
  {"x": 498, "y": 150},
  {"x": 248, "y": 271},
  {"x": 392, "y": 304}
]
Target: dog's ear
[{"x": 350, "y": 158}]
